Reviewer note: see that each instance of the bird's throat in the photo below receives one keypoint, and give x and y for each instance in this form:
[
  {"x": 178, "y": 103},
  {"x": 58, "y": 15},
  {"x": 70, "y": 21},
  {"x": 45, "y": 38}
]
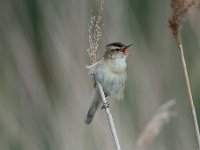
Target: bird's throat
[{"x": 117, "y": 65}]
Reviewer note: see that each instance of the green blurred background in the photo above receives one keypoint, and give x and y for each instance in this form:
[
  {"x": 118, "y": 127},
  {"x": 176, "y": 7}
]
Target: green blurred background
[{"x": 44, "y": 86}]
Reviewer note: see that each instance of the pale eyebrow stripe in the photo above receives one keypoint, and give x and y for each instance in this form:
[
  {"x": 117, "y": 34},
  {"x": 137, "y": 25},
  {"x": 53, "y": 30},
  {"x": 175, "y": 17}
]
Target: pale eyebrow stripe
[{"x": 114, "y": 47}]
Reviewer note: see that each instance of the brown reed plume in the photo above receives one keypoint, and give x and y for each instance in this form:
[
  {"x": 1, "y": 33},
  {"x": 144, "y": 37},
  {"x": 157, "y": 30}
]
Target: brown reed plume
[
  {"x": 95, "y": 33},
  {"x": 179, "y": 9},
  {"x": 153, "y": 128}
]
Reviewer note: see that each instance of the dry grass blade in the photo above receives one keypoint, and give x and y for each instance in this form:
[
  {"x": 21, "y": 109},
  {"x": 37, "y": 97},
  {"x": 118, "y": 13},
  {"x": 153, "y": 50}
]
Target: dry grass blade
[{"x": 154, "y": 127}]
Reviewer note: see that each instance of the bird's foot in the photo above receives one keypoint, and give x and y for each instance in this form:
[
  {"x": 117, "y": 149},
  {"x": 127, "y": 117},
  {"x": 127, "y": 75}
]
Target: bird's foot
[{"x": 105, "y": 105}]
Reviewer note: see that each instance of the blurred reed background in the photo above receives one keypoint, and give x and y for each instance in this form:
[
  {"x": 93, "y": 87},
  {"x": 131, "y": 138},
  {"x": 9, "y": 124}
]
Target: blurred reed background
[{"x": 45, "y": 90}]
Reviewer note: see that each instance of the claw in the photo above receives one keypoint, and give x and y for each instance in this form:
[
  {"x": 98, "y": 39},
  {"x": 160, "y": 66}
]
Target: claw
[{"x": 105, "y": 105}]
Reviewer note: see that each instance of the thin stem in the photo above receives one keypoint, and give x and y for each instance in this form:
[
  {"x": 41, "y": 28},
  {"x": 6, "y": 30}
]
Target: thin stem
[
  {"x": 189, "y": 93},
  {"x": 109, "y": 116}
]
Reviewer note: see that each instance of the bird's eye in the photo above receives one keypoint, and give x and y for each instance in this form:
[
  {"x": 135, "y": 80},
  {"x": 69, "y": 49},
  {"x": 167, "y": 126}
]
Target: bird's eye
[{"x": 118, "y": 49}]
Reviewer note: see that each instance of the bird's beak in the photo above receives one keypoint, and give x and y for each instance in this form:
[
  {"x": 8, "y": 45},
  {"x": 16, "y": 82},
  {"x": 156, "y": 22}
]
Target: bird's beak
[
  {"x": 128, "y": 46},
  {"x": 125, "y": 50}
]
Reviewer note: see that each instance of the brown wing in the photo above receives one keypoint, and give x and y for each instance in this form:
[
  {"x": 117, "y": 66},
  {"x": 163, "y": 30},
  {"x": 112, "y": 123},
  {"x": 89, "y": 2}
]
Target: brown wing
[{"x": 92, "y": 69}]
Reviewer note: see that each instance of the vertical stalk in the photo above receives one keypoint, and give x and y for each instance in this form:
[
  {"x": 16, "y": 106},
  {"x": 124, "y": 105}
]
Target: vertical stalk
[
  {"x": 109, "y": 116},
  {"x": 189, "y": 93}
]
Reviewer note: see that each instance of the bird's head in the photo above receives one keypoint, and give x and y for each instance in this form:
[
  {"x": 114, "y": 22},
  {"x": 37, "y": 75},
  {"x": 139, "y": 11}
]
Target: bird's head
[{"x": 116, "y": 50}]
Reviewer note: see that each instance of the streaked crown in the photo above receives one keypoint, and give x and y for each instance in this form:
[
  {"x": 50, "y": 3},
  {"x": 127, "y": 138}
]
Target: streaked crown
[
  {"x": 112, "y": 49},
  {"x": 115, "y": 46}
]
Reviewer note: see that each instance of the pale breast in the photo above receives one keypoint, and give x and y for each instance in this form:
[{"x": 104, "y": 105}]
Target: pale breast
[
  {"x": 117, "y": 65},
  {"x": 114, "y": 84},
  {"x": 111, "y": 75}
]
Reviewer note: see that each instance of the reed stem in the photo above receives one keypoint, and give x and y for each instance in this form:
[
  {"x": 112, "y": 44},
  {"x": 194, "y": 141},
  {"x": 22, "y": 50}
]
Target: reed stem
[
  {"x": 109, "y": 116},
  {"x": 189, "y": 93}
]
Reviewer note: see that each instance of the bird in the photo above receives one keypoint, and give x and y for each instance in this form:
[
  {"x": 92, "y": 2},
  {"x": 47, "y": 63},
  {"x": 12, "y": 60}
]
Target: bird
[{"x": 110, "y": 72}]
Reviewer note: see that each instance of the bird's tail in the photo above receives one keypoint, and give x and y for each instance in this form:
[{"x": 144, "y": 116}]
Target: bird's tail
[{"x": 93, "y": 106}]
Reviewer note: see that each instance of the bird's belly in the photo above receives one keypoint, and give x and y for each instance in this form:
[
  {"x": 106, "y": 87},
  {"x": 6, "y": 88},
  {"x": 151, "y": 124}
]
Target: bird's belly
[{"x": 114, "y": 85}]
